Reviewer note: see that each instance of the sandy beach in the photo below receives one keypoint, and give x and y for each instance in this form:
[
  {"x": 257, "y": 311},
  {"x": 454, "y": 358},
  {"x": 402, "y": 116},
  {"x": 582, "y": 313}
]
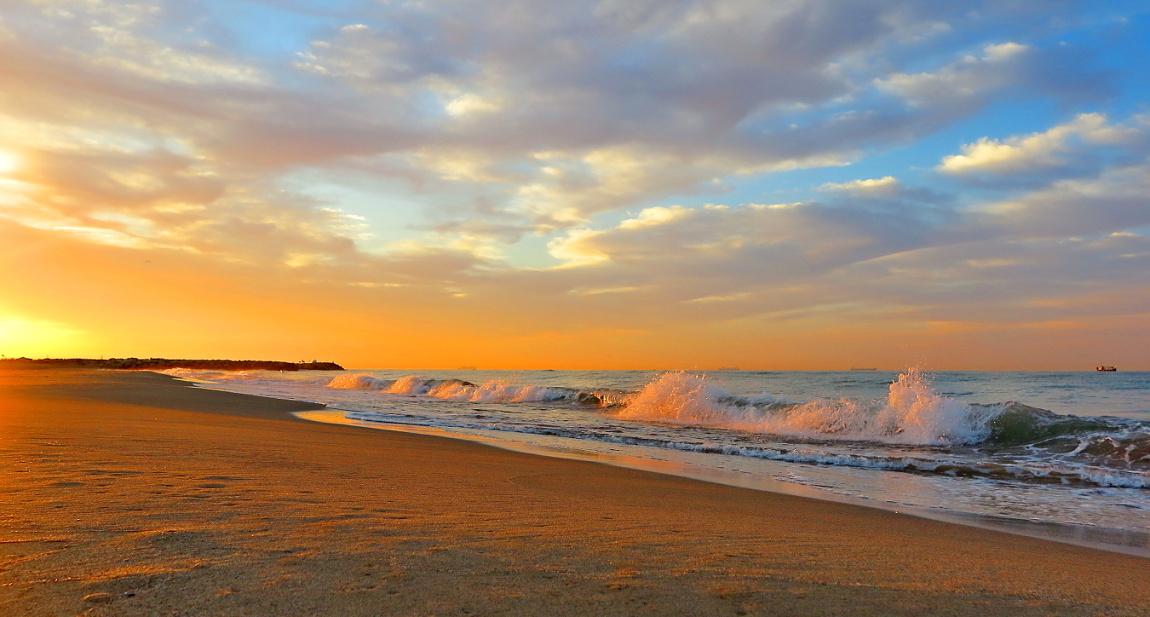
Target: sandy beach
[{"x": 131, "y": 493}]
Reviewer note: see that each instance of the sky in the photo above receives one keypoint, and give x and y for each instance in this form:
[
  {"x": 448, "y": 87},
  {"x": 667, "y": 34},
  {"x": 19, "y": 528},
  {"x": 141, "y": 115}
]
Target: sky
[{"x": 611, "y": 184}]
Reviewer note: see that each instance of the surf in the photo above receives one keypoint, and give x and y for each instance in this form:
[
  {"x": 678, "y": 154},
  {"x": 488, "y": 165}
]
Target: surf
[{"x": 912, "y": 413}]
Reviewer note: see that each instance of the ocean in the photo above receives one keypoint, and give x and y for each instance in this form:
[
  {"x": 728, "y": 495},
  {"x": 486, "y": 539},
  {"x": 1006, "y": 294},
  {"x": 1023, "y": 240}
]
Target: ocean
[{"x": 1062, "y": 455}]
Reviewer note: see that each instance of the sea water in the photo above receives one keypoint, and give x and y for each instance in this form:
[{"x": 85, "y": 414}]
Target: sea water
[{"x": 1056, "y": 454}]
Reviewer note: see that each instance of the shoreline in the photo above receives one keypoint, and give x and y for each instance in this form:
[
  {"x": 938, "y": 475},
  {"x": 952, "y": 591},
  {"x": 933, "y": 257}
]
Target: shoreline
[
  {"x": 1119, "y": 541},
  {"x": 1129, "y": 539},
  {"x": 1122, "y": 540},
  {"x": 136, "y": 494}
]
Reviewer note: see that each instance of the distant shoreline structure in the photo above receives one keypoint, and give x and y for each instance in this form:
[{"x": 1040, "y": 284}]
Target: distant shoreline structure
[
  {"x": 863, "y": 369},
  {"x": 152, "y": 364}
]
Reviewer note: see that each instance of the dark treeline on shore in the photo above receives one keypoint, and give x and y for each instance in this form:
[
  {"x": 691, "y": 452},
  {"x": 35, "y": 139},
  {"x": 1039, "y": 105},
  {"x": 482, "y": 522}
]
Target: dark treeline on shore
[{"x": 155, "y": 364}]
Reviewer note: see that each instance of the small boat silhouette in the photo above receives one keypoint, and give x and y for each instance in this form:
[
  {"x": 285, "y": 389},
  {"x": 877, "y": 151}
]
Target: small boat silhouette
[{"x": 1106, "y": 369}]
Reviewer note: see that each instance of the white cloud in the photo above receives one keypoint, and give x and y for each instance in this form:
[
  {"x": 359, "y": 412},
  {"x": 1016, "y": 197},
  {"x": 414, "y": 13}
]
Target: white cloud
[
  {"x": 969, "y": 77},
  {"x": 1038, "y": 150},
  {"x": 886, "y": 186},
  {"x": 598, "y": 291},
  {"x": 1003, "y": 51},
  {"x": 653, "y": 217},
  {"x": 1115, "y": 201},
  {"x": 472, "y": 104},
  {"x": 576, "y": 249}
]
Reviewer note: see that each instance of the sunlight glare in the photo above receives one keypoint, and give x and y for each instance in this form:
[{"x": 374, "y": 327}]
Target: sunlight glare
[
  {"x": 8, "y": 162},
  {"x": 34, "y": 338}
]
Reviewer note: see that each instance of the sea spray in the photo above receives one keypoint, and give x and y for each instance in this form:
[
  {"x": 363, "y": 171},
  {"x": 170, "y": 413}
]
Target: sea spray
[
  {"x": 211, "y": 375},
  {"x": 913, "y": 412},
  {"x": 355, "y": 382},
  {"x": 494, "y": 391},
  {"x": 916, "y": 413},
  {"x": 409, "y": 384},
  {"x": 681, "y": 398}
]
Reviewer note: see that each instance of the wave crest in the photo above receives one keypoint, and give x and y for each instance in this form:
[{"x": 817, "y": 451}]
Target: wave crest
[
  {"x": 913, "y": 412},
  {"x": 496, "y": 391},
  {"x": 355, "y": 382}
]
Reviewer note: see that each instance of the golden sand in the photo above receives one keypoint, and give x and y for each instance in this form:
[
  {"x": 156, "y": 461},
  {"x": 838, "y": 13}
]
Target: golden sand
[{"x": 133, "y": 494}]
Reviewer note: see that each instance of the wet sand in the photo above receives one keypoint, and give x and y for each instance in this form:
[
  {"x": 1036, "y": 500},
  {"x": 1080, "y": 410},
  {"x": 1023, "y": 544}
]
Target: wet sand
[{"x": 134, "y": 494}]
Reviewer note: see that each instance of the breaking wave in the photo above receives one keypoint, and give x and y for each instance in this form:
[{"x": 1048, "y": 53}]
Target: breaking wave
[
  {"x": 913, "y": 413},
  {"x": 356, "y": 382},
  {"x": 495, "y": 391}
]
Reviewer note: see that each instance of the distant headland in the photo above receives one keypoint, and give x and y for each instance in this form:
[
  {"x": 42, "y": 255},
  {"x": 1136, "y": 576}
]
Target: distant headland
[{"x": 159, "y": 364}]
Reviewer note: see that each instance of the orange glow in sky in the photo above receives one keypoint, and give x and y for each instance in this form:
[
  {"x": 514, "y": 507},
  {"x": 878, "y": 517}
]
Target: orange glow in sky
[{"x": 712, "y": 185}]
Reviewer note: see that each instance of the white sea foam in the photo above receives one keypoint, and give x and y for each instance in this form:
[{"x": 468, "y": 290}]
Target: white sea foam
[
  {"x": 495, "y": 391},
  {"x": 187, "y": 373},
  {"x": 408, "y": 384},
  {"x": 214, "y": 376},
  {"x": 913, "y": 412},
  {"x": 354, "y": 381},
  {"x": 492, "y": 392}
]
